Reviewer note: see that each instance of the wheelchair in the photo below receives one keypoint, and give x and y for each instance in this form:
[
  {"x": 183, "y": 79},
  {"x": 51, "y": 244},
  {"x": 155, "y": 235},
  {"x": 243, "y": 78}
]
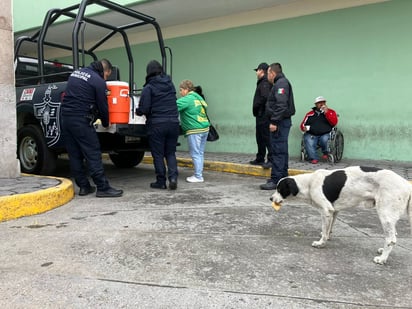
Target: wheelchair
[{"x": 335, "y": 147}]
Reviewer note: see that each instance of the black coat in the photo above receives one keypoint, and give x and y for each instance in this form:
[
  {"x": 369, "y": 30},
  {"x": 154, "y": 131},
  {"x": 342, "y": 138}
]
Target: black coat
[
  {"x": 280, "y": 104},
  {"x": 86, "y": 94},
  {"x": 261, "y": 95},
  {"x": 158, "y": 100}
]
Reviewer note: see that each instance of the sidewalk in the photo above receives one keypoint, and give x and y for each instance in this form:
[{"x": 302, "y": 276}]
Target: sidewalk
[
  {"x": 28, "y": 195},
  {"x": 296, "y": 166}
]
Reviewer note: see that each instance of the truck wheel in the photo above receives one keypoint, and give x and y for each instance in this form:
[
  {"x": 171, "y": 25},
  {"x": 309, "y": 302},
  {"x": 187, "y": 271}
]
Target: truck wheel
[
  {"x": 126, "y": 159},
  {"x": 33, "y": 153}
]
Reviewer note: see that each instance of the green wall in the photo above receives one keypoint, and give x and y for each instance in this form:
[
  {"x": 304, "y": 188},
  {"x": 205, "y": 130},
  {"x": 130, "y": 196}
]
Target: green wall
[{"x": 358, "y": 58}]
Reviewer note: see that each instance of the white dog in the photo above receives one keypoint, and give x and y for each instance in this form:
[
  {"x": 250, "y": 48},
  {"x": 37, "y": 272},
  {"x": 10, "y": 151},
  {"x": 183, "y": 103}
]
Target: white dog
[{"x": 333, "y": 190}]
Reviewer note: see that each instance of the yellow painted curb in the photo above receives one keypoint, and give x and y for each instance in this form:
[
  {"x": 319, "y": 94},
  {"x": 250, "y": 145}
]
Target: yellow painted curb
[
  {"x": 236, "y": 168},
  {"x": 32, "y": 203},
  {"x": 229, "y": 167}
]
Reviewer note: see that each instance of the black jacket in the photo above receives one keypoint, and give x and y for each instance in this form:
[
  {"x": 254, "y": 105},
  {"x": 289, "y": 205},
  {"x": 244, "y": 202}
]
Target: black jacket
[
  {"x": 85, "y": 95},
  {"x": 280, "y": 104},
  {"x": 158, "y": 100},
  {"x": 261, "y": 95}
]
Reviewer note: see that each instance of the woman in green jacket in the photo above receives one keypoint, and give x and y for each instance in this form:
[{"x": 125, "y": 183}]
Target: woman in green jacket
[{"x": 195, "y": 125}]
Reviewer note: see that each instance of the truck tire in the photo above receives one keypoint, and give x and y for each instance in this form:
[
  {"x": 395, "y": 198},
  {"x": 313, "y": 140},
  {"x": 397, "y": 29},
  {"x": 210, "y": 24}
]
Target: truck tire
[
  {"x": 126, "y": 159},
  {"x": 33, "y": 153}
]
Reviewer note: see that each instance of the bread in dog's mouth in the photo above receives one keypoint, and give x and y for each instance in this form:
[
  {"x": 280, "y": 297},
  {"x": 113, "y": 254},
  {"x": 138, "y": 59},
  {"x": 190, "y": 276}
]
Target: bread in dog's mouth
[{"x": 276, "y": 206}]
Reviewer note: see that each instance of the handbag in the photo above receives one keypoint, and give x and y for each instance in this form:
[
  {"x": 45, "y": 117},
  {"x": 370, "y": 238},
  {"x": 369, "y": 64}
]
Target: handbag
[{"x": 213, "y": 135}]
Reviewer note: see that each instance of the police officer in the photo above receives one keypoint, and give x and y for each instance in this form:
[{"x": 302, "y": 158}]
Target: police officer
[
  {"x": 262, "y": 122},
  {"x": 280, "y": 107},
  {"x": 158, "y": 104},
  {"x": 85, "y": 101}
]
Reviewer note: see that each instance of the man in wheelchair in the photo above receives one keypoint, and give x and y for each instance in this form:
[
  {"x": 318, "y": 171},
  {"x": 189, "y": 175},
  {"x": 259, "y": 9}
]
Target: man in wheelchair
[{"x": 317, "y": 125}]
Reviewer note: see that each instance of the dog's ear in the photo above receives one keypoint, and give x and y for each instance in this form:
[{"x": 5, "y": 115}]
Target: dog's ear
[
  {"x": 283, "y": 187},
  {"x": 293, "y": 187}
]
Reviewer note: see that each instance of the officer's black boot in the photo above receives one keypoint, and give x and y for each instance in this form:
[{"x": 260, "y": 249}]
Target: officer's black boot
[
  {"x": 110, "y": 192},
  {"x": 158, "y": 185}
]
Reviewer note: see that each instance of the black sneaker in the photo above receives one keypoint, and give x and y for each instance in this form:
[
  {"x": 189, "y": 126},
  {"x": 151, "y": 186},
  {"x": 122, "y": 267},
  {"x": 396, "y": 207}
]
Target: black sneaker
[
  {"x": 157, "y": 185},
  {"x": 270, "y": 185},
  {"x": 111, "y": 192},
  {"x": 256, "y": 162},
  {"x": 267, "y": 165},
  {"x": 87, "y": 190}
]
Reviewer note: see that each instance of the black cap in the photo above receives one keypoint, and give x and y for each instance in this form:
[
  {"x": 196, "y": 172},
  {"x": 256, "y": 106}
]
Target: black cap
[{"x": 263, "y": 66}]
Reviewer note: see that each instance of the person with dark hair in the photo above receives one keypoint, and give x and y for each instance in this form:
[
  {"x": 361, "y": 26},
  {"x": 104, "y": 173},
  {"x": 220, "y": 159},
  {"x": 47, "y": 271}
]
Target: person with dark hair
[
  {"x": 262, "y": 122},
  {"x": 278, "y": 67},
  {"x": 280, "y": 107},
  {"x": 158, "y": 104},
  {"x": 198, "y": 89},
  {"x": 195, "y": 125},
  {"x": 84, "y": 102}
]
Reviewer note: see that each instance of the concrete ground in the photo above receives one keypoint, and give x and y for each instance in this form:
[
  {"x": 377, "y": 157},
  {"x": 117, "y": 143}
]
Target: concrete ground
[
  {"x": 218, "y": 244},
  {"x": 30, "y": 194}
]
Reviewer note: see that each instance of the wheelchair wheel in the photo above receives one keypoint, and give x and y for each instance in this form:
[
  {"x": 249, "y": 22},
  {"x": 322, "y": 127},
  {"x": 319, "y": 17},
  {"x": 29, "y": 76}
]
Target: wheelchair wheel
[
  {"x": 303, "y": 154},
  {"x": 339, "y": 145},
  {"x": 331, "y": 158},
  {"x": 336, "y": 144}
]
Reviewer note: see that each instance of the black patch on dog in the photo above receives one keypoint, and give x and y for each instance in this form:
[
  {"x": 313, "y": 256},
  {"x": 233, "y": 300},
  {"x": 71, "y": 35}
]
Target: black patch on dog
[
  {"x": 368, "y": 169},
  {"x": 333, "y": 184},
  {"x": 287, "y": 186}
]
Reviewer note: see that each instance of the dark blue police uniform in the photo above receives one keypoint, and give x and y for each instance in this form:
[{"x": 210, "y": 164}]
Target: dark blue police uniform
[
  {"x": 158, "y": 104},
  {"x": 85, "y": 101},
  {"x": 262, "y": 122},
  {"x": 280, "y": 107}
]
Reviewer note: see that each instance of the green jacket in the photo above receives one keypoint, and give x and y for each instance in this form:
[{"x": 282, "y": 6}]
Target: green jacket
[{"x": 193, "y": 118}]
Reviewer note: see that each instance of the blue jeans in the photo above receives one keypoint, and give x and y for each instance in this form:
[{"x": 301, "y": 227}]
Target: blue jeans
[
  {"x": 197, "y": 144},
  {"x": 312, "y": 142}
]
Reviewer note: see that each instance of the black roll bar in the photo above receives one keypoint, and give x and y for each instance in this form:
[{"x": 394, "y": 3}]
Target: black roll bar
[{"x": 77, "y": 13}]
